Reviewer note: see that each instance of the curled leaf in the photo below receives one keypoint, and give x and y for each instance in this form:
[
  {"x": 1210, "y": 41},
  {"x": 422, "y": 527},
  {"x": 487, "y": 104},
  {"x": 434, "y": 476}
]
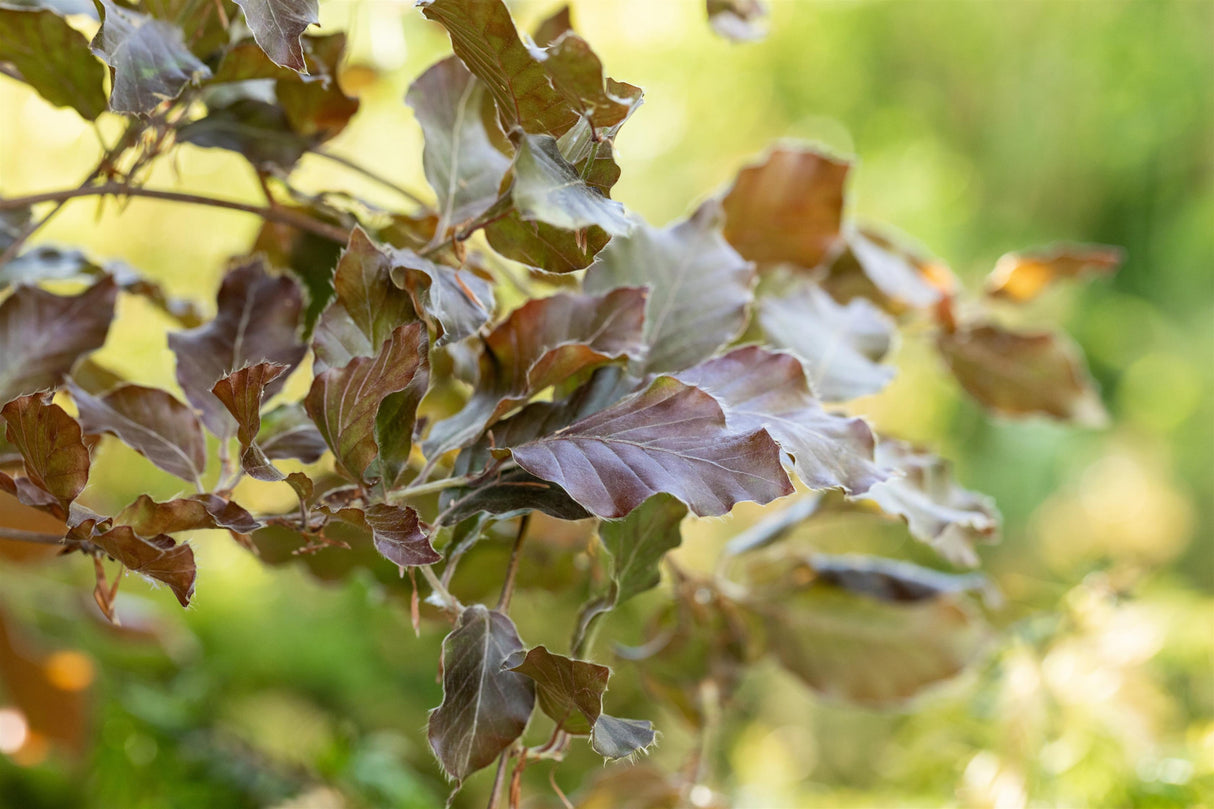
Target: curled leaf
[
  {"x": 1020, "y": 277},
  {"x": 51, "y": 445}
]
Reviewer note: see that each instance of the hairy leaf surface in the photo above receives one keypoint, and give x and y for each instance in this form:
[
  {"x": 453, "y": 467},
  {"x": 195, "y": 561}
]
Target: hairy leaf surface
[
  {"x": 614, "y": 738},
  {"x": 158, "y": 558}
]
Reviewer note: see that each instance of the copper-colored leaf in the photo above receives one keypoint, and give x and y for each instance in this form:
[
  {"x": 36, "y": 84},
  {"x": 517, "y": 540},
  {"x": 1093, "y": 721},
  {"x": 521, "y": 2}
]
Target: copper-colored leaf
[
  {"x": 577, "y": 74},
  {"x": 241, "y": 393},
  {"x": 277, "y": 26},
  {"x": 1023, "y": 373},
  {"x": 739, "y": 20},
  {"x": 569, "y": 691},
  {"x": 148, "y": 518},
  {"x": 53, "y": 58},
  {"x": 157, "y": 557},
  {"x": 51, "y": 444},
  {"x": 669, "y": 438},
  {"x": 888, "y": 273},
  {"x": 789, "y": 208},
  {"x": 1021, "y": 277}
]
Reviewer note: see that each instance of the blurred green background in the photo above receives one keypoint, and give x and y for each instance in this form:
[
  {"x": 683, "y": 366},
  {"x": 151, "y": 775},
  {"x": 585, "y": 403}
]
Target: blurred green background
[{"x": 980, "y": 127}]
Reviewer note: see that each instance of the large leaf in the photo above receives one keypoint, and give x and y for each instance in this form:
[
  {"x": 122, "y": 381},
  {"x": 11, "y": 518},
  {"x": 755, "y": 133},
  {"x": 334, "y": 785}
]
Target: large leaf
[
  {"x": 548, "y": 188},
  {"x": 149, "y": 56},
  {"x": 937, "y": 510},
  {"x": 42, "y": 335},
  {"x": 462, "y": 164},
  {"x": 151, "y": 422},
  {"x": 569, "y": 691},
  {"x": 669, "y": 438},
  {"x": 789, "y": 208},
  {"x": 485, "y": 707},
  {"x": 542, "y": 343},
  {"x": 841, "y": 346},
  {"x": 396, "y": 532},
  {"x": 483, "y": 36},
  {"x": 1021, "y": 277},
  {"x": 699, "y": 287},
  {"x": 53, "y": 58},
  {"x": 738, "y": 20},
  {"x": 277, "y": 26},
  {"x": 343, "y": 402},
  {"x": 257, "y": 319},
  {"x": 52, "y": 446},
  {"x": 242, "y": 393},
  {"x": 455, "y": 303},
  {"x": 764, "y": 389},
  {"x": 1023, "y": 373},
  {"x": 157, "y": 557},
  {"x": 638, "y": 542}
]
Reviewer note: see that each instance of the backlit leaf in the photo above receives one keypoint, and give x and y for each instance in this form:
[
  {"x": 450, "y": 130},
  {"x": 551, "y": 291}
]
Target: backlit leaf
[
  {"x": 1023, "y": 373},
  {"x": 151, "y": 422},
  {"x": 699, "y": 287},
  {"x": 614, "y": 738},
  {"x": 242, "y": 393},
  {"x": 42, "y": 335},
  {"x": 158, "y": 558},
  {"x": 669, "y": 438},
  {"x": 577, "y": 74},
  {"x": 51, "y": 444},
  {"x": 889, "y": 274},
  {"x": 277, "y": 26},
  {"x": 789, "y": 208},
  {"x": 485, "y": 707},
  {"x": 763, "y": 389},
  {"x": 638, "y": 542},
  {"x": 841, "y": 346},
  {"x": 150, "y": 59},
  {"x": 569, "y": 691},
  {"x": 548, "y": 188},
  {"x": 53, "y": 58},
  {"x": 257, "y": 319},
  {"x": 739, "y": 20},
  {"x": 1021, "y": 277}
]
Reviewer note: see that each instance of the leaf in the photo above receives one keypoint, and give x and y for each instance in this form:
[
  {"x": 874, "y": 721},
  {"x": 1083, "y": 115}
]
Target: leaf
[
  {"x": 569, "y": 691},
  {"x": 158, "y": 557},
  {"x": 318, "y": 110},
  {"x": 937, "y": 510},
  {"x": 343, "y": 402},
  {"x": 368, "y": 308},
  {"x": 544, "y": 246},
  {"x": 758, "y": 388},
  {"x": 148, "y": 518},
  {"x": 250, "y": 127},
  {"x": 42, "y": 335},
  {"x": 256, "y": 322},
  {"x": 889, "y": 274},
  {"x": 483, "y": 36},
  {"x": 462, "y": 164},
  {"x": 738, "y": 20},
  {"x": 1023, "y": 373},
  {"x": 151, "y": 422},
  {"x": 669, "y": 438},
  {"x": 288, "y": 432},
  {"x": 150, "y": 59},
  {"x": 53, "y": 58},
  {"x": 542, "y": 343},
  {"x": 277, "y": 26},
  {"x": 452, "y": 302},
  {"x": 552, "y": 27},
  {"x": 699, "y": 287},
  {"x": 789, "y": 208},
  {"x": 512, "y": 494},
  {"x": 1021, "y": 277},
  {"x": 242, "y": 393},
  {"x": 889, "y": 580},
  {"x": 484, "y": 708},
  {"x": 577, "y": 74},
  {"x": 639, "y": 541},
  {"x": 396, "y": 532},
  {"x": 614, "y": 738},
  {"x": 52, "y": 446},
  {"x": 547, "y": 188},
  {"x": 841, "y": 346}
]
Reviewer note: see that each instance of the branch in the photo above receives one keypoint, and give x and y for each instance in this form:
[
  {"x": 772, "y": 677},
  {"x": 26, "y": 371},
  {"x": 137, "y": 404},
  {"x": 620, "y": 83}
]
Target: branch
[
  {"x": 370, "y": 175},
  {"x": 283, "y": 215},
  {"x": 36, "y": 537},
  {"x": 503, "y": 603}
]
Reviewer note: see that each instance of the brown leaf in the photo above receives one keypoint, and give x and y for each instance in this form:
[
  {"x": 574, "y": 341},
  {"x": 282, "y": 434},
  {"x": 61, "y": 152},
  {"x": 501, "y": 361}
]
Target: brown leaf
[
  {"x": 888, "y": 273},
  {"x": 1020, "y": 277},
  {"x": 158, "y": 557},
  {"x": 455, "y": 303},
  {"x": 396, "y": 532},
  {"x": 242, "y": 393},
  {"x": 52, "y": 445},
  {"x": 148, "y": 518},
  {"x": 569, "y": 691}
]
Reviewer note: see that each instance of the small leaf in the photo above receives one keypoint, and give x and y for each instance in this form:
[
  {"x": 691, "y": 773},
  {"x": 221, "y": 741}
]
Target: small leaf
[
  {"x": 512, "y": 494},
  {"x": 53, "y": 58},
  {"x": 763, "y": 389},
  {"x": 150, "y": 59},
  {"x": 569, "y": 691},
  {"x": 738, "y": 20},
  {"x": 669, "y": 438},
  {"x": 614, "y": 738},
  {"x": 242, "y": 393},
  {"x": 454, "y": 303},
  {"x": 396, "y": 532},
  {"x": 841, "y": 346},
  {"x": 789, "y": 208},
  {"x": 288, "y": 432},
  {"x": 699, "y": 287},
  {"x": 52, "y": 446},
  {"x": 1023, "y": 373},
  {"x": 1020, "y": 277},
  {"x": 343, "y": 402},
  {"x": 256, "y": 321},
  {"x": 639, "y": 541},
  {"x": 277, "y": 26},
  {"x": 485, "y": 707},
  {"x": 42, "y": 335},
  {"x": 547, "y": 188},
  {"x": 937, "y": 510},
  {"x": 151, "y": 422},
  {"x": 159, "y": 558}
]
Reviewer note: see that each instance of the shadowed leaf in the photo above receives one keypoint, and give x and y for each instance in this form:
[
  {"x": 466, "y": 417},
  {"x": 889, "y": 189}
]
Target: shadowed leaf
[
  {"x": 789, "y": 208},
  {"x": 512, "y": 494},
  {"x": 639, "y": 541},
  {"x": 878, "y": 578},
  {"x": 318, "y": 110},
  {"x": 53, "y": 58},
  {"x": 42, "y": 335},
  {"x": 484, "y": 708},
  {"x": 396, "y": 532},
  {"x": 1023, "y": 373},
  {"x": 1020, "y": 277},
  {"x": 288, "y": 432},
  {"x": 763, "y": 389},
  {"x": 670, "y": 438},
  {"x": 277, "y": 26},
  {"x": 151, "y": 422},
  {"x": 739, "y": 20},
  {"x": 253, "y": 128},
  {"x": 455, "y": 303},
  {"x": 158, "y": 558},
  {"x": 699, "y": 287},
  {"x": 841, "y": 345},
  {"x": 614, "y": 738},
  {"x": 150, "y": 59},
  {"x": 242, "y": 393},
  {"x": 569, "y": 691},
  {"x": 52, "y": 446},
  {"x": 256, "y": 321}
]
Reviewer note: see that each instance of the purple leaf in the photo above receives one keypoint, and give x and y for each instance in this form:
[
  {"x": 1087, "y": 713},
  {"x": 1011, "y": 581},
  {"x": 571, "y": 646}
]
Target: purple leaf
[
  {"x": 148, "y": 518},
  {"x": 569, "y": 691},
  {"x": 158, "y": 557},
  {"x": 277, "y": 26},
  {"x": 288, "y": 432},
  {"x": 396, "y": 532}
]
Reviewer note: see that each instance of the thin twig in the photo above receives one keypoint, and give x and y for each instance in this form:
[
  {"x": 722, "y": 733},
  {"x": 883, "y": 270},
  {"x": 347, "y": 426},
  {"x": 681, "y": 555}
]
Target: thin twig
[
  {"x": 503, "y": 603},
  {"x": 370, "y": 175},
  {"x": 36, "y": 537},
  {"x": 284, "y": 215},
  {"x": 496, "y": 789}
]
